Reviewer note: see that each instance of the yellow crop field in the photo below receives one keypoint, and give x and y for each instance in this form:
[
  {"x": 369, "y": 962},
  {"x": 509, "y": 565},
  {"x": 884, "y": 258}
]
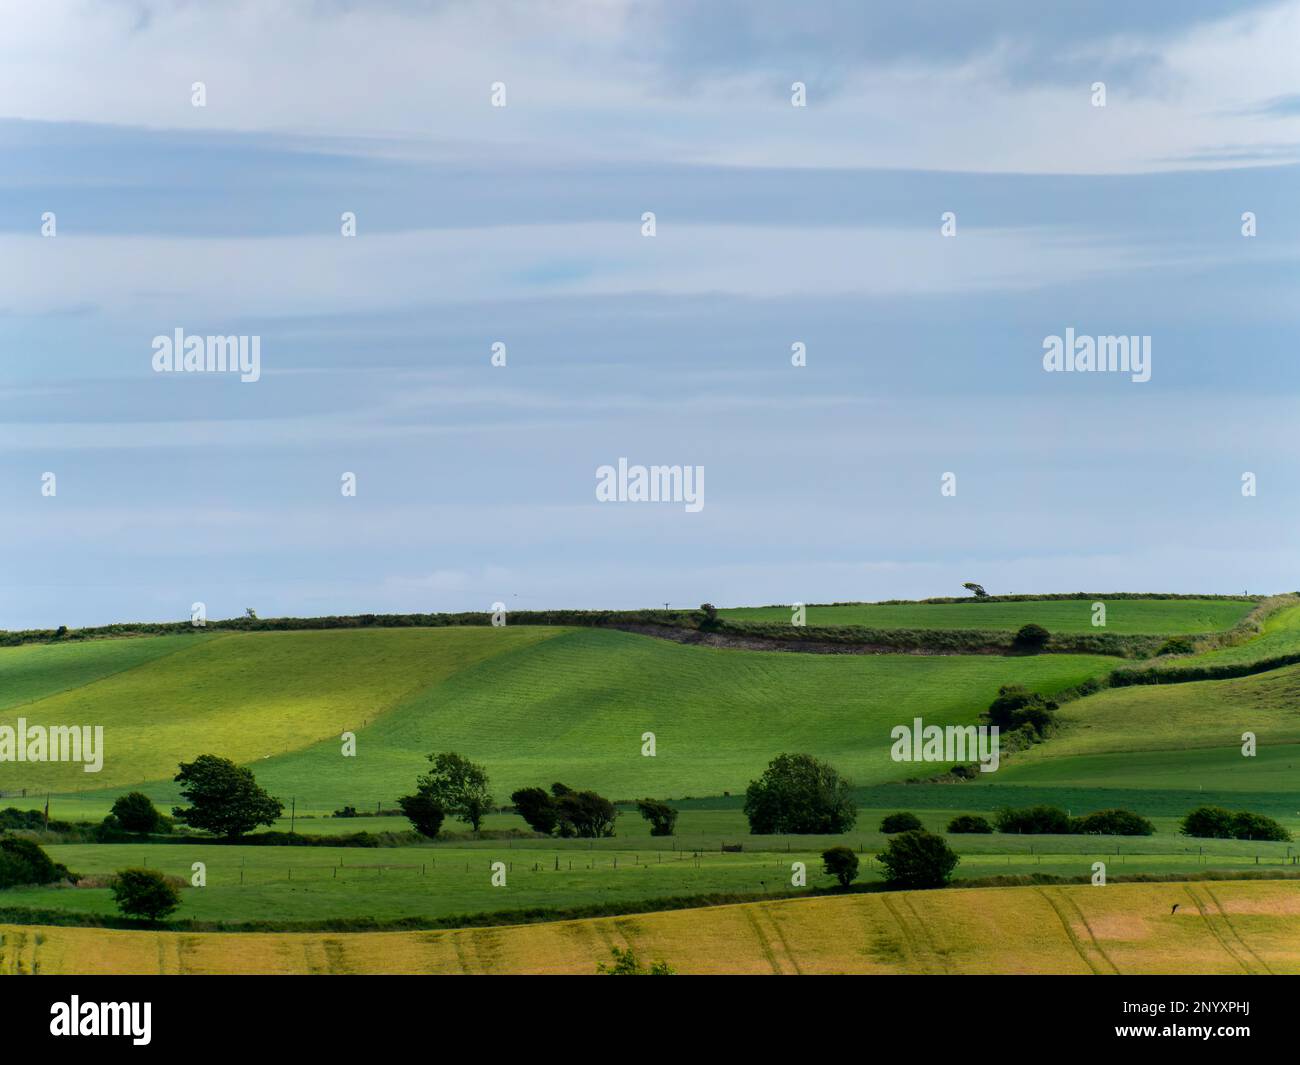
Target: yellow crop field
[{"x": 1217, "y": 927}]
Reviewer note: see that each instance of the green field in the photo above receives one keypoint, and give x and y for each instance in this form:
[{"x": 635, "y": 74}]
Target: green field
[
  {"x": 535, "y": 705},
  {"x": 1126, "y": 617},
  {"x": 532, "y": 704},
  {"x": 438, "y": 880}
]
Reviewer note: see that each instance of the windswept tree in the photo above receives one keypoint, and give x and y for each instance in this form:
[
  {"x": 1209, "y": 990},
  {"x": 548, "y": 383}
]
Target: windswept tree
[
  {"x": 976, "y": 589},
  {"x": 458, "y": 786},
  {"x": 662, "y": 817},
  {"x": 424, "y": 813},
  {"x": 583, "y": 813},
  {"x": 799, "y": 794},
  {"x": 224, "y": 798},
  {"x": 537, "y": 807}
]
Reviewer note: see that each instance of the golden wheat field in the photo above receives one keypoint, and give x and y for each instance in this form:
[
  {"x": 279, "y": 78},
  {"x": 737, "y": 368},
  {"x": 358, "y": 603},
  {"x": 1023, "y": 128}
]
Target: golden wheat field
[{"x": 1218, "y": 927}]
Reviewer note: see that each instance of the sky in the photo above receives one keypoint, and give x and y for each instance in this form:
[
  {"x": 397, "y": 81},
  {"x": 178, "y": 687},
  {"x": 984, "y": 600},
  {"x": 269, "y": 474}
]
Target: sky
[{"x": 128, "y": 212}]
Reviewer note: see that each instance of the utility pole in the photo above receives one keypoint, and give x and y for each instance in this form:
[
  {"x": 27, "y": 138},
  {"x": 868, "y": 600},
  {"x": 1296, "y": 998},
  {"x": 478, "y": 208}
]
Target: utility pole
[{"x": 293, "y": 813}]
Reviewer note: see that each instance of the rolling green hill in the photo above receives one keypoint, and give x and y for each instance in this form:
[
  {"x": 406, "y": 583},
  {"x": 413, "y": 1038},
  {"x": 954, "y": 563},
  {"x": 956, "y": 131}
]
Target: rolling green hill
[{"x": 532, "y": 704}]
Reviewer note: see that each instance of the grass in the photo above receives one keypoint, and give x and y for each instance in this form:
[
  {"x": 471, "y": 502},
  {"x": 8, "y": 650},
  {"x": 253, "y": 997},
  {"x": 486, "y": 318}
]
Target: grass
[
  {"x": 532, "y": 704},
  {"x": 38, "y": 671},
  {"x": 243, "y": 696},
  {"x": 1123, "y": 616},
  {"x": 433, "y": 882},
  {"x": 1219, "y": 927}
]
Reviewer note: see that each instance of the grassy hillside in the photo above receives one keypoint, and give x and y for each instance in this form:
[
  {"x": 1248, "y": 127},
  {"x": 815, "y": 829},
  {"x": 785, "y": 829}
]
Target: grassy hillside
[
  {"x": 37, "y": 671},
  {"x": 533, "y": 704},
  {"x": 241, "y": 696},
  {"x": 575, "y": 708},
  {"x": 1219, "y": 927},
  {"x": 1123, "y": 616}
]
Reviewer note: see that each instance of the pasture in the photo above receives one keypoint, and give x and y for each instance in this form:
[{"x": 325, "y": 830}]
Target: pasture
[{"x": 1157, "y": 617}]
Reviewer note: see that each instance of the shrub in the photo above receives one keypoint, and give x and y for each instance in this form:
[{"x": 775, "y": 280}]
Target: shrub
[
  {"x": 841, "y": 863},
  {"x": 1208, "y": 822},
  {"x": 662, "y": 817},
  {"x": 135, "y": 812},
  {"x": 1176, "y": 645},
  {"x": 1032, "y": 637},
  {"x": 144, "y": 893},
  {"x": 901, "y": 822},
  {"x": 918, "y": 859},
  {"x": 964, "y": 824},
  {"x": 1034, "y": 821},
  {"x": 424, "y": 812},
  {"x": 1246, "y": 825},
  {"x": 23, "y": 862},
  {"x": 347, "y": 811},
  {"x": 1113, "y": 823},
  {"x": 800, "y": 795},
  {"x": 1018, "y": 707}
]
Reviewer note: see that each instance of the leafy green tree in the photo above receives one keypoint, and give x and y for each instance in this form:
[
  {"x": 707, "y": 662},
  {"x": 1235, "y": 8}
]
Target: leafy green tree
[
  {"x": 1208, "y": 822},
  {"x": 424, "y": 813},
  {"x": 135, "y": 812},
  {"x": 900, "y": 822},
  {"x": 536, "y": 807},
  {"x": 662, "y": 817},
  {"x": 968, "y": 823},
  {"x": 583, "y": 814},
  {"x": 225, "y": 798},
  {"x": 22, "y": 861},
  {"x": 841, "y": 863},
  {"x": 800, "y": 795},
  {"x": 918, "y": 859},
  {"x": 144, "y": 893},
  {"x": 459, "y": 786},
  {"x": 1034, "y": 821},
  {"x": 1246, "y": 825}
]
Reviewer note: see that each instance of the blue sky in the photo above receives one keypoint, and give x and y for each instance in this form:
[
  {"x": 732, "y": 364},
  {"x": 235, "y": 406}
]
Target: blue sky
[{"x": 521, "y": 224}]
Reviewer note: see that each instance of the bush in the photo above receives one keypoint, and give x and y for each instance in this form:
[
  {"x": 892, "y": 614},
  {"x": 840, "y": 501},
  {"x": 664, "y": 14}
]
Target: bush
[
  {"x": 23, "y": 862},
  {"x": 135, "y": 812},
  {"x": 1032, "y": 637},
  {"x": 1113, "y": 823},
  {"x": 964, "y": 824},
  {"x": 144, "y": 893},
  {"x": 1018, "y": 707},
  {"x": 1246, "y": 825},
  {"x": 424, "y": 812},
  {"x": 1034, "y": 821},
  {"x": 800, "y": 795},
  {"x": 901, "y": 822},
  {"x": 1208, "y": 822},
  {"x": 662, "y": 817},
  {"x": 347, "y": 811},
  {"x": 1214, "y": 822},
  {"x": 1176, "y": 645},
  {"x": 918, "y": 859},
  {"x": 841, "y": 863}
]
